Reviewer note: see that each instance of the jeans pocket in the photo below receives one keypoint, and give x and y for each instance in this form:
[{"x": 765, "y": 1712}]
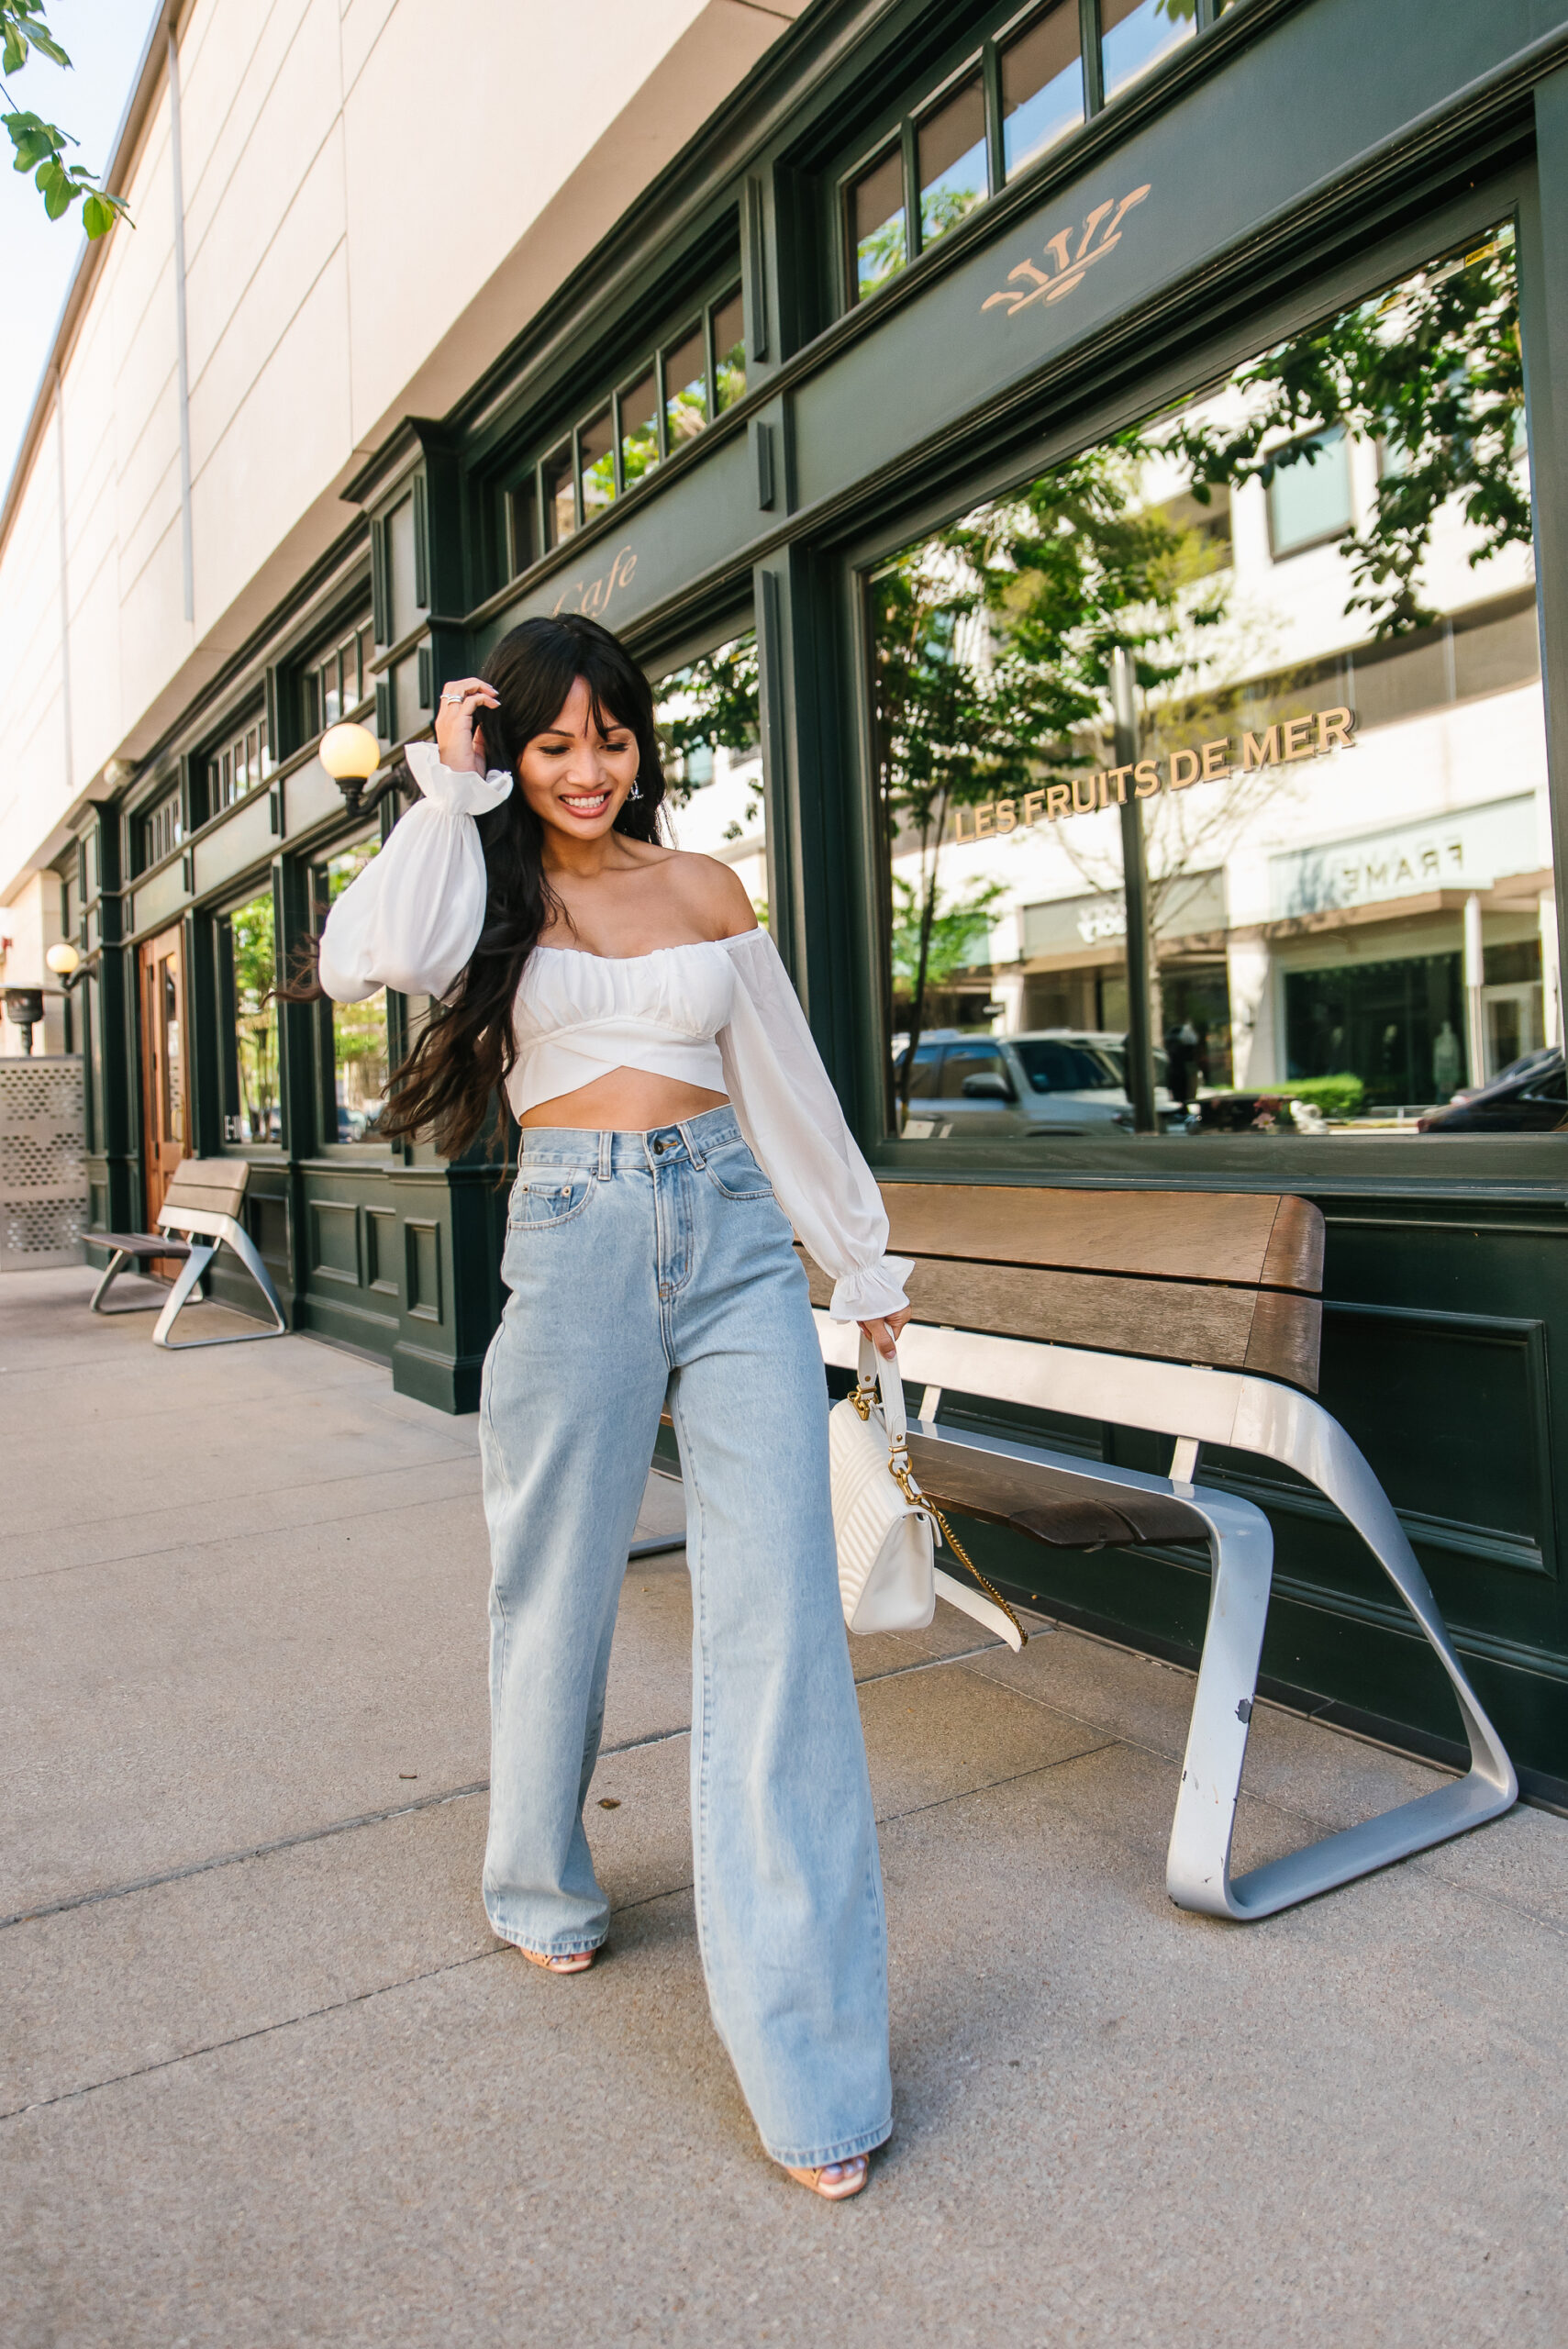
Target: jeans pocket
[
  {"x": 551, "y": 1195},
  {"x": 734, "y": 1172}
]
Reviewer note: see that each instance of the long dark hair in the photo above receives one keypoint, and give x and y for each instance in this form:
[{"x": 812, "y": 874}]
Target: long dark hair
[{"x": 465, "y": 1052}]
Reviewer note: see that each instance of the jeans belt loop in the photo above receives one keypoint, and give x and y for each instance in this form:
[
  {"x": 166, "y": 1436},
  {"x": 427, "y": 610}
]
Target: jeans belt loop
[
  {"x": 606, "y": 1156},
  {"x": 693, "y": 1148}
]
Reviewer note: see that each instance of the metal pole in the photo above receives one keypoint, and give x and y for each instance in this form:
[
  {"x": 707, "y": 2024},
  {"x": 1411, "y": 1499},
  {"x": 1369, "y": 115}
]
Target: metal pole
[
  {"x": 1474, "y": 980},
  {"x": 1135, "y": 887}
]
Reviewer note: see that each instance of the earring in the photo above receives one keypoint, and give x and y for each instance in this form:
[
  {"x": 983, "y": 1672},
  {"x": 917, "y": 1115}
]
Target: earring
[{"x": 636, "y": 791}]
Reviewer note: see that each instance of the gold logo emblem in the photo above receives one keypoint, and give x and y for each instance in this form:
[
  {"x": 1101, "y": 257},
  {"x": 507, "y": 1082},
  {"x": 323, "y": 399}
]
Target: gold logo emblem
[{"x": 1066, "y": 267}]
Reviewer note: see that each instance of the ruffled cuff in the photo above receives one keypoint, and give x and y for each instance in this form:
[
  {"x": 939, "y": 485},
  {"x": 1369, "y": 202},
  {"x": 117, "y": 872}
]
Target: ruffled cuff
[
  {"x": 455, "y": 793},
  {"x": 874, "y": 1292}
]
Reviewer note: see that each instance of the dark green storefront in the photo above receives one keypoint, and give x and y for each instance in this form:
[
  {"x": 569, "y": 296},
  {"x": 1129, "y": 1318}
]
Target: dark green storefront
[{"x": 1288, "y": 157}]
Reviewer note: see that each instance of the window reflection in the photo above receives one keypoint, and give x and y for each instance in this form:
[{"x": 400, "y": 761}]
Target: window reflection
[
  {"x": 950, "y": 148},
  {"x": 1339, "y": 765},
  {"x": 253, "y": 972},
  {"x": 707, "y": 717},
  {"x": 877, "y": 232},
  {"x": 597, "y": 442},
  {"x": 1309, "y": 497},
  {"x": 640, "y": 428},
  {"x": 1137, "y": 35},
  {"x": 360, "y": 1060},
  {"x": 729, "y": 350},
  {"x": 685, "y": 388},
  {"x": 1042, "y": 87},
  {"x": 558, "y": 480}
]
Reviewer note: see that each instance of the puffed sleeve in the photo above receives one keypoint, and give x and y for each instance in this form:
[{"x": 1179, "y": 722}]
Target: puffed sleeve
[
  {"x": 413, "y": 917},
  {"x": 790, "y": 1116}
]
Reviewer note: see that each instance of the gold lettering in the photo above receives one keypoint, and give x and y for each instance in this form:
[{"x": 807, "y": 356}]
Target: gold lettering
[
  {"x": 1216, "y": 760},
  {"x": 1297, "y": 741},
  {"x": 1260, "y": 751},
  {"x": 1145, "y": 778},
  {"x": 622, "y": 569},
  {"x": 1113, "y": 779},
  {"x": 985, "y": 819},
  {"x": 1084, "y": 807},
  {"x": 1034, "y": 801},
  {"x": 957, "y": 830},
  {"x": 1334, "y": 729},
  {"x": 1179, "y": 781},
  {"x": 1006, "y": 815},
  {"x": 1057, "y": 802}
]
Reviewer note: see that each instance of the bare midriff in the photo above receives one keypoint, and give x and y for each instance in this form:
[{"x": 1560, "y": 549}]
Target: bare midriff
[{"x": 624, "y": 1100}]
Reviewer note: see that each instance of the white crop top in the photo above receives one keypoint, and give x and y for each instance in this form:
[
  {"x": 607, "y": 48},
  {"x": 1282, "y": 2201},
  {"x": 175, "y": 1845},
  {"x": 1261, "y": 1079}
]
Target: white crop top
[{"x": 720, "y": 1014}]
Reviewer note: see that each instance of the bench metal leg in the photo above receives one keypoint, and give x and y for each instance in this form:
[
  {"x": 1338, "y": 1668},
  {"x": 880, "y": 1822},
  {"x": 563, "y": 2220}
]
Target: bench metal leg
[
  {"x": 1303, "y": 1433},
  {"x": 202, "y": 1255},
  {"x": 1254, "y": 1415},
  {"x": 112, "y": 1271}
]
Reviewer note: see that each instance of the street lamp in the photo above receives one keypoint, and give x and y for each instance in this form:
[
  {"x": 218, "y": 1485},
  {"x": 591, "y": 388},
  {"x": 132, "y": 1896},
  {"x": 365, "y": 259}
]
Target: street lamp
[
  {"x": 64, "y": 959},
  {"x": 350, "y": 755}
]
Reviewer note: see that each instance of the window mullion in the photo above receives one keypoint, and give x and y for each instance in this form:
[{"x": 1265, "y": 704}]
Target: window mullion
[
  {"x": 991, "y": 76},
  {"x": 1094, "y": 70}
]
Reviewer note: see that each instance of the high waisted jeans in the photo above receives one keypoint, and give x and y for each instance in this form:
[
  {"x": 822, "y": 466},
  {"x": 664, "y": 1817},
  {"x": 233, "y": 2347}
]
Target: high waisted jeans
[{"x": 642, "y": 1266}]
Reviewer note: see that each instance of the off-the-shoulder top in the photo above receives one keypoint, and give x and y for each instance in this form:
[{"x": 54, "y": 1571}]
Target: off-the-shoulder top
[{"x": 720, "y": 1013}]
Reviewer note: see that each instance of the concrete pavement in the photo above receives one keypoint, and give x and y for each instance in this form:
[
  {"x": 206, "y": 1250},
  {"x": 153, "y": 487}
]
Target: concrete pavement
[{"x": 267, "y": 2078}]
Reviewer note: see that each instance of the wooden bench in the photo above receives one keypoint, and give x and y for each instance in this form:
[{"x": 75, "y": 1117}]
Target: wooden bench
[
  {"x": 200, "y": 1214},
  {"x": 1192, "y": 1314}
]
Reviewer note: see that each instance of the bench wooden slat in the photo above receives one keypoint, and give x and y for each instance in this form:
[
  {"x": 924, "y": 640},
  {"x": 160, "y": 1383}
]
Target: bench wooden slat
[
  {"x": 1267, "y": 1331},
  {"x": 139, "y": 1243},
  {"x": 1251, "y": 1239},
  {"x": 217, "y": 1184}
]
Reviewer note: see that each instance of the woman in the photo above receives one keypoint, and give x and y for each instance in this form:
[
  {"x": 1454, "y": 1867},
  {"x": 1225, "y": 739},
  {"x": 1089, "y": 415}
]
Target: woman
[{"x": 670, "y": 1100}]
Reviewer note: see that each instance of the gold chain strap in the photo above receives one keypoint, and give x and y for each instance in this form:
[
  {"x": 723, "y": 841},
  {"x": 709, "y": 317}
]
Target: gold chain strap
[{"x": 903, "y": 1476}]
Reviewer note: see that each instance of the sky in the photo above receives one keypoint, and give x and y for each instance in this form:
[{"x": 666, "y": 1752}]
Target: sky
[{"x": 104, "y": 39}]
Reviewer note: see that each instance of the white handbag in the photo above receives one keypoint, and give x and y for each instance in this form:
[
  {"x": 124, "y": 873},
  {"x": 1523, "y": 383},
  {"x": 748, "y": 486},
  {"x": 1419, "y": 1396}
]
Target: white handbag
[{"x": 886, "y": 1529}]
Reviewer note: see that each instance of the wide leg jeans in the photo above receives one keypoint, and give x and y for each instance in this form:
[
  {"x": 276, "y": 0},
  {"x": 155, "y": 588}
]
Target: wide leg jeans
[{"x": 642, "y": 1267}]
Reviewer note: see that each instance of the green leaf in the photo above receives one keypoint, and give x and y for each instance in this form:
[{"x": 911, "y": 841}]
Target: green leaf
[
  {"x": 53, "y": 184},
  {"x": 15, "y": 51},
  {"x": 33, "y": 146}
]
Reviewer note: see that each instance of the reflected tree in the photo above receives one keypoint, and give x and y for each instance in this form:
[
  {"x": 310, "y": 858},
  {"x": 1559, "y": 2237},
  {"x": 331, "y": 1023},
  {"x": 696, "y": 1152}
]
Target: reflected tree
[{"x": 1433, "y": 372}]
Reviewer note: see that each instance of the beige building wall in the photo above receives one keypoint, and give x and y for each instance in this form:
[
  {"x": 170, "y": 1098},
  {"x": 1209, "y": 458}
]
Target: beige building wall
[{"x": 379, "y": 195}]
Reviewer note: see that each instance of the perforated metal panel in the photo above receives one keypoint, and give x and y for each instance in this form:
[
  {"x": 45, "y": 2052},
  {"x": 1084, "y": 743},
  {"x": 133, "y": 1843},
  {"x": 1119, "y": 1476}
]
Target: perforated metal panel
[{"x": 43, "y": 1171}]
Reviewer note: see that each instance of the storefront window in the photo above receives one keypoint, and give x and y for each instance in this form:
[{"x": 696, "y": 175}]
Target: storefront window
[
  {"x": 360, "y": 1055},
  {"x": 685, "y": 388},
  {"x": 708, "y": 722},
  {"x": 250, "y": 955},
  {"x": 1043, "y": 86},
  {"x": 640, "y": 428},
  {"x": 950, "y": 147},
  {"x": 597, "y": 442},
  {"x": 1138, "y": 34},
  {"x": 559, "y": 495},
  {"x": 729, "y": 351},
  {"x": 1336, "y": 766},
  {"x": 877, "y": 232}
]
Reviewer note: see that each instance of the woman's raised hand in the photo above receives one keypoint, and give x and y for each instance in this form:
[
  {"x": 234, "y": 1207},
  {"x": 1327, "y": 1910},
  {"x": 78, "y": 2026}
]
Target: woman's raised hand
[{"x": 459, "y": 736}]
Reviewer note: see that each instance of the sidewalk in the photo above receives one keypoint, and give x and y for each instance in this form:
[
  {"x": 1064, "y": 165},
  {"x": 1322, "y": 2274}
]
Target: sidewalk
[{"x": 268, "y": 2078}]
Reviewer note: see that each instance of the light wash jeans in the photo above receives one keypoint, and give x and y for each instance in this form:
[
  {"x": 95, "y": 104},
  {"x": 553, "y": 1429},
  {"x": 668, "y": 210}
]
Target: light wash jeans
[{"x": 642, "y": 1266}]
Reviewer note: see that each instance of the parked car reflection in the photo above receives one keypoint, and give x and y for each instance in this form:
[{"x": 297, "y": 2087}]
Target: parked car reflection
[
  {"x": 1529, "y": 1098},
  {"x": 1054, "y": 1081}
]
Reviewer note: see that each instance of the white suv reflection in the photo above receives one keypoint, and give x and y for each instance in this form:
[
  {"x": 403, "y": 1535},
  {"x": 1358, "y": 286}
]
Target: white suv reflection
[{"x": 1046, "y": 1081}]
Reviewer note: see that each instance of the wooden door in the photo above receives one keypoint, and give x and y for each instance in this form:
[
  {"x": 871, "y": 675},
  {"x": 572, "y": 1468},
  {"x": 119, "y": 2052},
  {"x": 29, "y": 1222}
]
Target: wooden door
[{"x": 162, "y": 982}]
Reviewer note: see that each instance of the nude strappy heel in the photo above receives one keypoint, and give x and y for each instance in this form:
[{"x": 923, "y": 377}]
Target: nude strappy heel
[
  {"x": 850, "y": 2177},
  {"x": 571, "y": 1962}
]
